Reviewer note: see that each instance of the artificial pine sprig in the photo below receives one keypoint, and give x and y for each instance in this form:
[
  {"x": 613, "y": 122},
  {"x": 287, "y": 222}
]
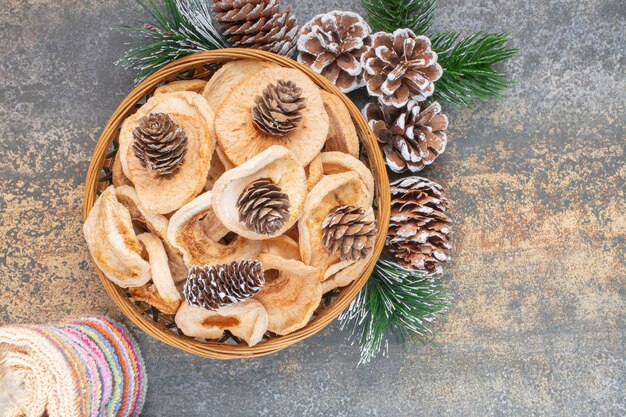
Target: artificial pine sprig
[
  {"x": 389, "y": 15},
  {"x": 395, "y": 302},
  {"x": 467, "y": 62},
  {"x": 169, "y": 30},
  {"x": 468, "y": 66}
]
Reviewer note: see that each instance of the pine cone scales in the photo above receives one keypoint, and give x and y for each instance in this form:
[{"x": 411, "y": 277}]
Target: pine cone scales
[
  {"x": 413, "y": 137},
  {"x": 347, "y": 230},
  {"x": 332, "y": 45},
  {"x": 419, "y": 228},
  {"x": 257, "y": 24},
  {"x": 215, "y": 286},
  {"x": 278, "y": 109},
  {"x": 159, "y": 144},
  {"x": 263, "y": 207},
  {"x": 400, "y": 67}
]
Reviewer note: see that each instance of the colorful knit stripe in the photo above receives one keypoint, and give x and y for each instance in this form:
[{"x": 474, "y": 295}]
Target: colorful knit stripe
[
  {"x": 142, "y": 375},
  {"x": 90, "y": 382},
  {"x": 84, "y": 367},
  {"x": 129, "y": 366},
  {"x": 103, "y": 368},
  {"x": 137, "y": 363},
  {"x": 114, "y": 406},
  {"x": 94, "y": 379},
  {"x": 118, "y": 336},
  {"x": 72, "y": 359},
  {"x": 114, "y": 350}
]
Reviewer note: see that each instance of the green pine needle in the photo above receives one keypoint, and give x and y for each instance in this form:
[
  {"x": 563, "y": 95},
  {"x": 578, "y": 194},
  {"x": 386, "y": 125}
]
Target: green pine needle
[
  {"x": 168, "y": 30},
  {"x": 395, "y": 302},
  {"x": 468, "y": 66},
  {"x": 389, "y": 15}
]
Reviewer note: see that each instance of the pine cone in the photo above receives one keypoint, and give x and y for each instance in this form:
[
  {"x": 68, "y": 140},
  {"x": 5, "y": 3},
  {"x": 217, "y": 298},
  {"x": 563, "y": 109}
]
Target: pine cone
[
  {"x": 332, "y": 45},
  {"x": 413, "y": 137},
  {"x": 160, "y": 144},
  {"x": 419, "y": 228},
  {"x": 215, "y": 286},
  {"x": 347, "y": 230},
  {"x": 263, "y": 207},
  {"x": 399, "y": 67},
  {"x": 278, "y": 109},
  {"x": 257, "y": 24}
]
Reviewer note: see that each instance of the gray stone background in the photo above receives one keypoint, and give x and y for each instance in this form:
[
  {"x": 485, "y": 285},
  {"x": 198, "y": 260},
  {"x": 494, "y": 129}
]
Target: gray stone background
[{"x": 537, "y": 189}]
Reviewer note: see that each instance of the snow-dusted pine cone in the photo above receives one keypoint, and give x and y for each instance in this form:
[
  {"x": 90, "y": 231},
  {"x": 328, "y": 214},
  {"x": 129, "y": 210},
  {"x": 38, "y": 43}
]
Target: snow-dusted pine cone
[
  {"x": 349, "y": 231},
  {"x": 159, "y": 143},
  {"x": 263, "y": 207},
  {"x": 412, "y": 136},
  {"x": 257, "y": 24},
  {"x": 400, "y": 66},
  {"x": 278, "y": 110},
  {"x": 419, "y": 228},
  {"x": 332, "y": 45},
  {"x": 215, "y": 286}
]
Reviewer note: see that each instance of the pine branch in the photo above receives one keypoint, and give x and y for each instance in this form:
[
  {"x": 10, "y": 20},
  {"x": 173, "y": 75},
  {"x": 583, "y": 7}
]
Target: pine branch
[
  {"x": 468, "y": 66},
  {"x": 167, "y": 31},
  {"x": 389, "y": 15},
  {"x": 395, "y": 302}
]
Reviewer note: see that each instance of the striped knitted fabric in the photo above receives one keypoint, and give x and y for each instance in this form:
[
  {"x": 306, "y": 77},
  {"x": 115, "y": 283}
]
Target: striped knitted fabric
[{"x": 85, "y": 366}]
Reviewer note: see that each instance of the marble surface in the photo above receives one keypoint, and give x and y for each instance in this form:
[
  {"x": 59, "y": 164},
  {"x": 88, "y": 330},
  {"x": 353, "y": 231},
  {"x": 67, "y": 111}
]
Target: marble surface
[{"x": 536, "y": 183}]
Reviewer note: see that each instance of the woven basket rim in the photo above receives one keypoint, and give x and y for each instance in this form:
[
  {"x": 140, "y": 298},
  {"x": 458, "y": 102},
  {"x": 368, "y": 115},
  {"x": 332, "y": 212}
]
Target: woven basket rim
[{"x": 215, "y": 349}]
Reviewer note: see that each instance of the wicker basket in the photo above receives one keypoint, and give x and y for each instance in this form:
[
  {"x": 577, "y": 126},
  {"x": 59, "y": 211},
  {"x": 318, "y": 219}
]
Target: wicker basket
[{"x": 161, "y": 326}]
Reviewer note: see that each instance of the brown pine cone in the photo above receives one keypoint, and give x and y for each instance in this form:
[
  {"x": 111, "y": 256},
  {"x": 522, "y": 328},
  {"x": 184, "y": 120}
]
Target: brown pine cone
[
  {"x": 400, "y": 67},
  {"x": 332, "y": 45},
  {"x": 278, "y": 110},
  {"x": 257, "y": 24},
  {"x": 263, "y": 207},
  {"x": 413, "y": 137},
  {"x": 215, "y": 286},
  {"x": 160, "y": 144},
  {"x": 419, "y": 228},
  {"x": 347, "y": 230}
]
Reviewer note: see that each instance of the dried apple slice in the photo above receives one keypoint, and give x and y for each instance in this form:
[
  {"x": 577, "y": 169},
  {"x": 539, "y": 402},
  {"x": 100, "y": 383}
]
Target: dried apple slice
[
  {"x": 314, "y": 172},
  {"x": 117, "y": 174},
  {"x": 275, "y": 164},
  {"x": 241, "y": 139},
  {"x": 198, "y": 234},
  {"x": 160, "y": 271},
  {"x": 291, "y": 293},
  {"x": 195, "y": 86},
  {"x": 332, "y": 191},
  {"x": 229, "y": 76},
  {"x": 148, "y": 293},
  {"x": 344, "y": 272},
  {"x": 246, "y": 320},
  {"x": 220, "y": 154},
  {"x": 342, "y": 134},
  {"x": 113, "y": 244},
  {"x": 189, "y": 112},
  {"x": 293, "y": 232},
  {"x": 283, "y": 246},
  {"x": 338, "y": 162},
  {"x": 216, "y": 171},
  {"x": 345, "y": 275},
  {"x": 157, "y": 224}
]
